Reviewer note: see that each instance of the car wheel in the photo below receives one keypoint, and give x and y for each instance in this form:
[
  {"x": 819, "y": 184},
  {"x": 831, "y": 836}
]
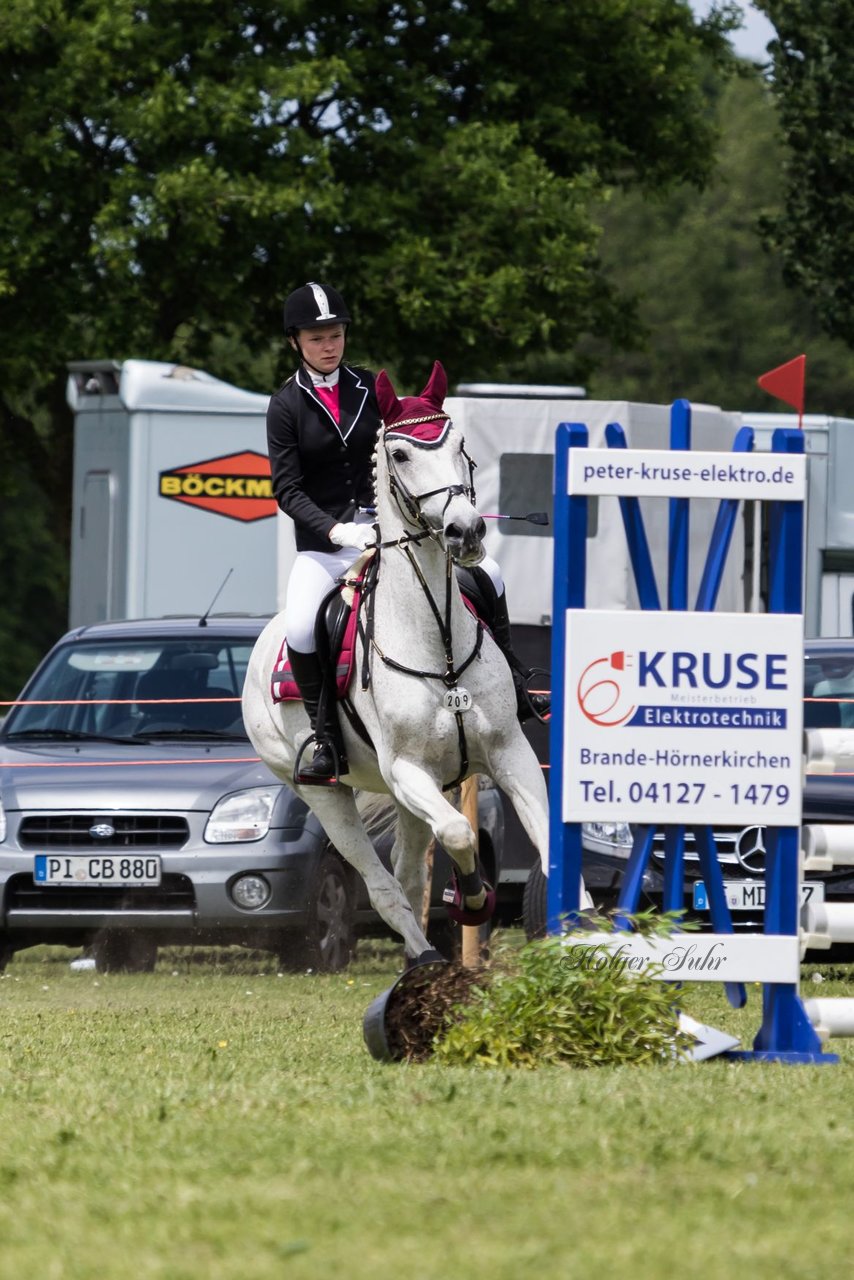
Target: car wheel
[
  {"x": 117, "y": 951},
  {"x": 535, "y": 911},
  {"x": 6, "y": 952},
  {"x": 328, "y": 943},
  {"x": 534, "y": 907}
]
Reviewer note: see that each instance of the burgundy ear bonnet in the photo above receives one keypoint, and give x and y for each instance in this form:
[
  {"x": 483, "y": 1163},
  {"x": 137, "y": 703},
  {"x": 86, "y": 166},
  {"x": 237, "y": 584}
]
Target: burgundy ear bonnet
[{"x": 419, "y": 418}]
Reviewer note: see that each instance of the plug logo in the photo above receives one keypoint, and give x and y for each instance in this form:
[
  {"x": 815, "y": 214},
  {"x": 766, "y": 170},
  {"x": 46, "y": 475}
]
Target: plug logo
[{"x": 600, "y": 693}]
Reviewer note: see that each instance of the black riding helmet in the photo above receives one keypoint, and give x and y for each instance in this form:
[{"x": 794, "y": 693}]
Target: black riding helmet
[{"x": 313, "y": 306}]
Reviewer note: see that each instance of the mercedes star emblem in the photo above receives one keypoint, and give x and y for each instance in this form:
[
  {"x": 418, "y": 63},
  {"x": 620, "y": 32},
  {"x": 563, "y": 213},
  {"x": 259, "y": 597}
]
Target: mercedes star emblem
[{"x": 750, "y": 848}]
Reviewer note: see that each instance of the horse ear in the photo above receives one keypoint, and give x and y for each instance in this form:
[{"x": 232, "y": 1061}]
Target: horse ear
[
  {"x": 387, "y": 398},
  {"x": 437, "y": 386}
]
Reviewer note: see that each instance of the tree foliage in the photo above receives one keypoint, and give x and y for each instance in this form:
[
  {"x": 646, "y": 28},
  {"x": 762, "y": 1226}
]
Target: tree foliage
[
  {"x": 170, "y": 169},
  {"x": 812, "y": 79},
  {"x": 713, "y": 306},
  {"x": 175, "y": 167}
]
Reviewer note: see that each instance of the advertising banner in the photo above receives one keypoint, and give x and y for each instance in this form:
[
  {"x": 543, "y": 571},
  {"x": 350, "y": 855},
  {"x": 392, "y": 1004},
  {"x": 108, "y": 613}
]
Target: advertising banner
[
  {"x": 683, "y": 717},
  {"x": 649, "y": 473}
]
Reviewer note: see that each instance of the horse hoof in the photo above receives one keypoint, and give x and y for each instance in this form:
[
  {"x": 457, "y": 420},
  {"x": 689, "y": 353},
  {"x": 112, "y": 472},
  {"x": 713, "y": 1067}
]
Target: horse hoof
[{"x": 459, "y": 912}]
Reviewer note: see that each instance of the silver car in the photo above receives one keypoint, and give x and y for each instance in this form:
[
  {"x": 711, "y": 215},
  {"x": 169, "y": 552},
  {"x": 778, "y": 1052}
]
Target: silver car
[{"x": 134, "y": 812}]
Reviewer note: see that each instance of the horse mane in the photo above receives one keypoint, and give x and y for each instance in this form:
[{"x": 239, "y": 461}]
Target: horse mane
[{"x": 374, "y": 457}]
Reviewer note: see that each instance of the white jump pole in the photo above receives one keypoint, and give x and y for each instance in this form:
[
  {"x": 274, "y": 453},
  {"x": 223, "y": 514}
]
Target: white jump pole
[
  {"x": 823, "y": 923},
  {"x": 831, "y": 1017},
  {"x": 828, "y": 845}
]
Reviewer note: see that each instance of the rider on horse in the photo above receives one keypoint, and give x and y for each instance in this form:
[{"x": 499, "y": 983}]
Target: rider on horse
[{"x": 322, "y": 427}]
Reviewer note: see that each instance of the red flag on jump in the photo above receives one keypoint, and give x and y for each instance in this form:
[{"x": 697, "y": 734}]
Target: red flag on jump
[{"x": 786, "y": 382}]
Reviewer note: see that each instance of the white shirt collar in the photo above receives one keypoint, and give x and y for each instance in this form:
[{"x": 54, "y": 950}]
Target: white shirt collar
[{"x": 323, "y": 379}]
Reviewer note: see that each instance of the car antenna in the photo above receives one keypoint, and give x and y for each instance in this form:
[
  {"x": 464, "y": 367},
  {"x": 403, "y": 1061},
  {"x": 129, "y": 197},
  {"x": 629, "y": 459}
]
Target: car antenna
[{"x": 203, "y": 620}]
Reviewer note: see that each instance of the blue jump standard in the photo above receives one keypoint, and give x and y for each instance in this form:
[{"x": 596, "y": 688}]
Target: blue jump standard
[{"x": 786, "y": 1034}]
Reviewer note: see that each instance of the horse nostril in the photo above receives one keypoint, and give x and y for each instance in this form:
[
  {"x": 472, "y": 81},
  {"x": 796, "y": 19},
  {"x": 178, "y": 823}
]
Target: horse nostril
[
  {"x": 454, "y": 532},
  {"x": 480, "y": 529}
]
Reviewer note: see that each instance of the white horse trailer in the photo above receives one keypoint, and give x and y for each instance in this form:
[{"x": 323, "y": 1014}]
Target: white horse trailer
[
  {"x": 171, "y": 490},
  {"x": 829, "y": 551}
]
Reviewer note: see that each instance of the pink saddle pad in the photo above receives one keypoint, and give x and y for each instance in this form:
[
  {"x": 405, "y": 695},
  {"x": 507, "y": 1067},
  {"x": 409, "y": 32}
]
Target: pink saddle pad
[{"x": 284, "y": 687}]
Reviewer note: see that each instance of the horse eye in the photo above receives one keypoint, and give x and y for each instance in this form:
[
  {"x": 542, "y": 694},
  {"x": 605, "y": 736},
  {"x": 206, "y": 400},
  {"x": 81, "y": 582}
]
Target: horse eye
[{"x": 400, "y": 455}]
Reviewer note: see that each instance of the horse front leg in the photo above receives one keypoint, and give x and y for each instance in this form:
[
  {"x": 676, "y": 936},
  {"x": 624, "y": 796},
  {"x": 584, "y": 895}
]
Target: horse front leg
[
  {"x": 414, "y": 789},
  {"x": 518, "y": 773}
]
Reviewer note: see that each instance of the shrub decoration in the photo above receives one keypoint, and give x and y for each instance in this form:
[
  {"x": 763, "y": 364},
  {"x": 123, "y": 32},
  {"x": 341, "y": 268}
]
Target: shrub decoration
[{"x": 544, "y": 1004}]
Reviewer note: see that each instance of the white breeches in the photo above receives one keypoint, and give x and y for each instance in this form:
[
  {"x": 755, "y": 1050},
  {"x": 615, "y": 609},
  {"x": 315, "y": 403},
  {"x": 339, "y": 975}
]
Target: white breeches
[{"x": 313, "y": 576}]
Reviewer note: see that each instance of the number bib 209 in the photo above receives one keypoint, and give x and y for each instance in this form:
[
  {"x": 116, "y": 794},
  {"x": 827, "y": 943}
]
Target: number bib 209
[{"x": 457, "y": 699}]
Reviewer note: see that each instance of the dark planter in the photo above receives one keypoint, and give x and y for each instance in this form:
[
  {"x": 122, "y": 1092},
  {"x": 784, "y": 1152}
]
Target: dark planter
[{"x": 375, "y": 1022}]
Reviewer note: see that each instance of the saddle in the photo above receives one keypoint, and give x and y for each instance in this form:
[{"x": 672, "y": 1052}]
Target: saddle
[
  {"x": 335, "y": 635},
  {"x": 337, "y": 624}
]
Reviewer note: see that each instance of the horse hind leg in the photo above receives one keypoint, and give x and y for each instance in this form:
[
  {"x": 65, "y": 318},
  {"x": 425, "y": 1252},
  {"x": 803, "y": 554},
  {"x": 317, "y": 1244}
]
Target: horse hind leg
[
  {"x": 409, "y": 855},
  {"x": 339, "y": 817},
  {"x": 415, "y": 791}
]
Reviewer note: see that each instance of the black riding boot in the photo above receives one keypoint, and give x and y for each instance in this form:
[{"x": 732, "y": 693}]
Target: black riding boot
[
  {"x": 320, "y": 769},
  {"x": 527, "y": 704}
]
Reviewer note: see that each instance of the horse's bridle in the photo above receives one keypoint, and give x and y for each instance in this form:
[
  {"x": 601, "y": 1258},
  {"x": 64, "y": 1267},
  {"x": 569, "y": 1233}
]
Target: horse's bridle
[
  {"x": 411, "y": 510},
  {"x": 409, "y": 504}
]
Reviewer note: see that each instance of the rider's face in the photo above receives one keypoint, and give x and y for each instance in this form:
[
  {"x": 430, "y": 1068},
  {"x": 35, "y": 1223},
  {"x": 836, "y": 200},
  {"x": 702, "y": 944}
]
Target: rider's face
[{"x": 322, "y": 348}]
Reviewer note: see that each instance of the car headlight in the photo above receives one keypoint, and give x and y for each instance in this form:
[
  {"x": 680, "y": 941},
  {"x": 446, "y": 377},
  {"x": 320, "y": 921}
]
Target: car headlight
[
  {"x": 244, "y": 815},
  {"x": 616, "y": 835},
  {"x": 2, "y": 823}
]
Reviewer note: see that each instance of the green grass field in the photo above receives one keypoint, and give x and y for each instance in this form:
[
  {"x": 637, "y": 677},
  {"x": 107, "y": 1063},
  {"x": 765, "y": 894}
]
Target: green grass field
[{"x": 215, "y": 1119}]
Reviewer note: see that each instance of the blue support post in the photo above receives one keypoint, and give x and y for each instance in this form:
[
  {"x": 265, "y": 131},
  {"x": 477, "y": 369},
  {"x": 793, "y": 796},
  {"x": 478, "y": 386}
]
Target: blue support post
[
  {"x": 718, "y": 909},
  {"x": 635, "y": 533},
  {"x": 719, "y": 542},
  {"x": 570, "y": 554},
  {"x": 632, "y": 883},
  {"x": 673, "y": 897},
  {"x": 678, "y": 514},
  {"x": 673, "y": 894},
  {"x": 786, "y": 1033}
]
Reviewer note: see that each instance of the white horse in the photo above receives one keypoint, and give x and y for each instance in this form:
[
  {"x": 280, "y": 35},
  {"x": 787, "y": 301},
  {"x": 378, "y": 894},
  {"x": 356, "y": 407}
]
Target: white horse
[{"x": 428, "y": 659}]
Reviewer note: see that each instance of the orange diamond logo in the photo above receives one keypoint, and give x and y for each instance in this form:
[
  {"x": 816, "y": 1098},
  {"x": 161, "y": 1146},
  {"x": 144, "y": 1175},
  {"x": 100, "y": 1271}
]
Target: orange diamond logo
[{"x": 237, "y": 486}]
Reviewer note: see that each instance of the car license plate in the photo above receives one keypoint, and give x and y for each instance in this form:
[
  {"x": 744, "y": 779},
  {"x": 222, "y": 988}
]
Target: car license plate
[
  {"x": 748, "y": 895},
  {"x": 96, "y": 868}
]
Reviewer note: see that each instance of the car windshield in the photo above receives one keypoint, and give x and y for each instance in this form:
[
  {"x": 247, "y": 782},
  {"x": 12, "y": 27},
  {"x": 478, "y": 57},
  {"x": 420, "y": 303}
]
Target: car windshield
[
  {"x": 829, "y": 690},
  {"x": 136, "y": 689}
]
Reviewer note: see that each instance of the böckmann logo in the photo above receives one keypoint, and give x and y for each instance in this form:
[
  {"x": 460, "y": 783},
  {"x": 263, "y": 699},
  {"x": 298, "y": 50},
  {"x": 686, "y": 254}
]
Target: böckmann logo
[
  {"x": 237, "y": 486},
  {"x": 648, "y": 688}
]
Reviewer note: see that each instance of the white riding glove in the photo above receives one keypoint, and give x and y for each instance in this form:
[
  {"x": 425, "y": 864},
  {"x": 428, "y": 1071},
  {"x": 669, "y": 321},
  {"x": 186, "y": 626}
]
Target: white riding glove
[{"x": 353, "y": 535}]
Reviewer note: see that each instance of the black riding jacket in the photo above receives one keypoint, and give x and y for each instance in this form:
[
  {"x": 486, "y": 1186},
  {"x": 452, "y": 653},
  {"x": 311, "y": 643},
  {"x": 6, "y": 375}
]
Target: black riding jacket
[{"x": 321, "y": 470}]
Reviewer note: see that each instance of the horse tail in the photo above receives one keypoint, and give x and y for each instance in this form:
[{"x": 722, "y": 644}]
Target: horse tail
[{"x": 378, "y": 813}]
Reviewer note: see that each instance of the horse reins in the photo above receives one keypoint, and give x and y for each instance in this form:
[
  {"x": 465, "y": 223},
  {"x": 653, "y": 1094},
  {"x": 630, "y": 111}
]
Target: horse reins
[{"x": 451, "y": 675}]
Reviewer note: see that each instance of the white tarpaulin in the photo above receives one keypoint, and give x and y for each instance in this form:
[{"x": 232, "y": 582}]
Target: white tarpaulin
[{"x": 507, "y": 439}]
